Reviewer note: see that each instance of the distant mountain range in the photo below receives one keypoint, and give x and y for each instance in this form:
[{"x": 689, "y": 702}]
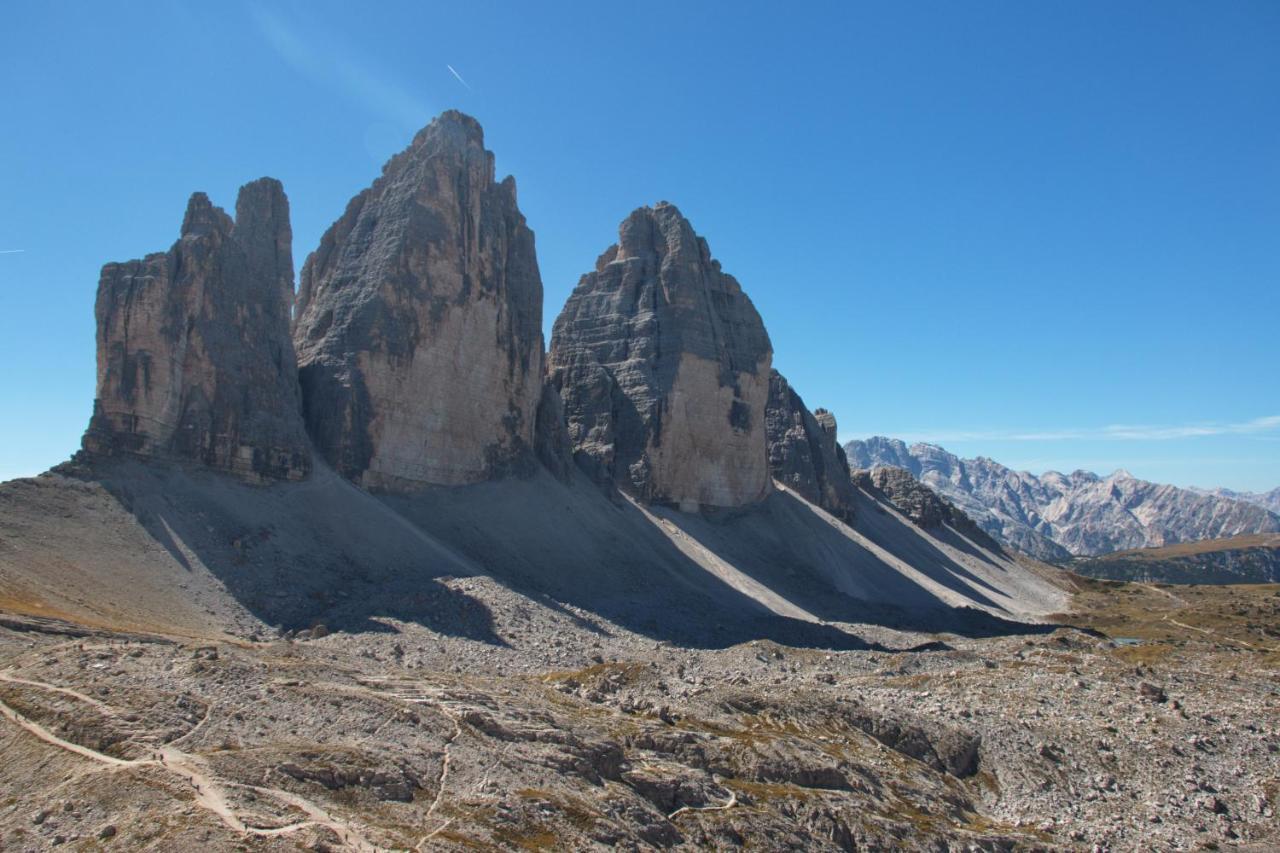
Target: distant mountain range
[
  {"x": 1269, "y": 501},
  {"x": 1240, "y": 559},
  {"x": 1059, "y": 516}
]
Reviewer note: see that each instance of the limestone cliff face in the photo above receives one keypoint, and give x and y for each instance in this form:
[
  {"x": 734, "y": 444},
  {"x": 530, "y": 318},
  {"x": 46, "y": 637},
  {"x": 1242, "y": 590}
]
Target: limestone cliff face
[
  {"x": 663, "y": 366},
  {"x": 419, "y": 322},
  {"x": 803, "y": 452},
  {"x": 194, "y": 355}
]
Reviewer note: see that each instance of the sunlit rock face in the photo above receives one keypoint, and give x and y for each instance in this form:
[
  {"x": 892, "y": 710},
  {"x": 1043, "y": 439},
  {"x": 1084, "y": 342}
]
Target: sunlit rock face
[
  {"x": 803, "y": 452},
  {"x": 663, "y": 365},
  {"x": 419, "y": 322},
  {"x": 195, "y": 361}
]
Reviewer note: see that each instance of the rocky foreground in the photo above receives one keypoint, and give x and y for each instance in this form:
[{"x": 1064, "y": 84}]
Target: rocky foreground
[{"x": 1153, "y": 722}]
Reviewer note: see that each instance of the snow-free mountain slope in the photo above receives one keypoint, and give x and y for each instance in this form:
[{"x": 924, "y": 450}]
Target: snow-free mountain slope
[
  {"x": 149, "y": 546},
  {"x": 1055, "y": 516}
]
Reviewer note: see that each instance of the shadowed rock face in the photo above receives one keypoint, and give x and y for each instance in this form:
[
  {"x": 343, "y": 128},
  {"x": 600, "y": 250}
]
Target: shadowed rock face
[
  {"x": 916, "y": 501},
  {"x": 419, "y": 322},
  {"x": 663, "y": 366},
  {"x": 803, "y": 453},
  {"x": 921, "y": 504},
  {"x": 194, "y": 355}
]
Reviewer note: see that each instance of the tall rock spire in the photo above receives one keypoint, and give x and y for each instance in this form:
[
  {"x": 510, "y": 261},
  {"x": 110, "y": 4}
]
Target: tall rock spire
[
  {"x": 803, "y": 452},
  {"x": 195, "y": 360},
  {"x": 419, "y": 322},
  {"x": 663, "y": 366}
]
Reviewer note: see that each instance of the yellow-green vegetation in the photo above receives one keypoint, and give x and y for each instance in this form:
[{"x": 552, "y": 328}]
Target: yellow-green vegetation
[
  {"x": 763, "y": 792},
  {"x": 1204, "y": 546},
  {"x": 575, "y": 810},
  {"x": 527, "y": 837},
  {"x": 627, "y": 671},
  {"x": 1165, "y": 618}
]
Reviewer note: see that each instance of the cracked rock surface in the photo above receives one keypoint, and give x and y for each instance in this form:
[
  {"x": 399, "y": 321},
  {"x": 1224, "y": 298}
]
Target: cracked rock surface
[
  {"x": 803, "y": 452},
  {"x": 419, "y": 322},
  {"x": 194, "y": 356},
  {"x": 663, "y": 365},
  {"x": 568, "y": 731}
]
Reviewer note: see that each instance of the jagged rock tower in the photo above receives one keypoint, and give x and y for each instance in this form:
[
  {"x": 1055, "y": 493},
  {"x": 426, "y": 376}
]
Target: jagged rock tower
[
  {"x": 663, "y": 366},
  {"x": 419, "y": 322},
  {"x": 803, "y": 452},
  {"x": 194, "y": 356}
]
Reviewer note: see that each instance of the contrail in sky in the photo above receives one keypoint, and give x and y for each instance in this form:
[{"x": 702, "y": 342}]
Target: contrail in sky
[
  {"x": 327, "y": 59},
  {"x": 459, "y": 77},
  {"x": 11, "y": 251}
]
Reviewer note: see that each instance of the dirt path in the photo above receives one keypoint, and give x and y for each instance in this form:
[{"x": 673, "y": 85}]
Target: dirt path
[
  {"x": 733, "y": 801},
  {"x": 440, "y": 785},
  {"x": 1210, "y": 632},
  {"x": 49, "y": 737},
  {"x": 1183, "y": 604},
  {"x": 1176, "y": 599},
  {"x": 65, "y": 691},
  {"x": 208, "y": 791}
]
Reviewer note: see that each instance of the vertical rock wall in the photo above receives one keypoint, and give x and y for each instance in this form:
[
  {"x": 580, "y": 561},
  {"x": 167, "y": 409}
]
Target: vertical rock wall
[
  {"x": 803, "y": 452},
  {"x": 663, "y": 366},
  {"x": 194, "y": 356},
  {"x": 419, "y": 322}
]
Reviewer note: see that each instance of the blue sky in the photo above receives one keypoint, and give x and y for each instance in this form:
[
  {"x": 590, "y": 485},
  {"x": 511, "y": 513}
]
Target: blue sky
[{"x": 1044, "y": 232}]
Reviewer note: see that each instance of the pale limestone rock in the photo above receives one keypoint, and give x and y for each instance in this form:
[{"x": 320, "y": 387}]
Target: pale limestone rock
[
  {"x": 663, "y": 365},
  {"x": 419, "y": 322},
  {"x": 195, "y": 361}
]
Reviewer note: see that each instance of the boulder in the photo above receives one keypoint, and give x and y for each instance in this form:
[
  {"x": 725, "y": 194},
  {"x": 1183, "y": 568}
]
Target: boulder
[
  {"x": 195, "y": 360},
  {"x": 663, "y": 366},
  {"x": 419, "y": 322}
]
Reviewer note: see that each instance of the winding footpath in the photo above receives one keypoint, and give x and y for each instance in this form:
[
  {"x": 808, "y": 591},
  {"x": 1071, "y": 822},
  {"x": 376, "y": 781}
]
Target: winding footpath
[{"x": 209, "y": 793}]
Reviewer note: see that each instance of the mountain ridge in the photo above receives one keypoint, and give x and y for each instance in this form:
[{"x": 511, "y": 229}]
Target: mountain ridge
[
  {"x": 645, "y": 605},
  {"x": 1249, "y": 559},
  {"x": 651, "y": 466},
  {"x": 1057, "y": 516},
  {"x": 1269, "y": 501}
]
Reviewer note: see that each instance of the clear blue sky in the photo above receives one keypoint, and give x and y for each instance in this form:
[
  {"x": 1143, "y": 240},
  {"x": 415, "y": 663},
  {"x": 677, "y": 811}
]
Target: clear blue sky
[{"x": 1007, "y": 227}]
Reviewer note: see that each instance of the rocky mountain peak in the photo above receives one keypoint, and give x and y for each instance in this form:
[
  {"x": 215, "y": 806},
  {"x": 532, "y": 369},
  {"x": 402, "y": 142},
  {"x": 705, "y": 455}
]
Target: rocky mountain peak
[
  {"x": 919, "y": 503},
  {"x": 451, "y": 127},
  {"x": 419, "y": 321},
  {"x": 202, "y": 217},
  {"x": 454, "y": 135},
  {"x": 1055, "y": 516},
  {"x": 663, "y": 365},
  {"x": 803, "y": 453},
  {"x": 195, "y": 361}
]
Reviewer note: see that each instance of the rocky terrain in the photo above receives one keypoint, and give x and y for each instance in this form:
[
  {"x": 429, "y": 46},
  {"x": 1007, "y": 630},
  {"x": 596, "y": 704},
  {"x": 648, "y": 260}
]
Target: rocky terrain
[
  {"x": 547, "y": 727},
  {"x": 1056, "y": 516},
  {"x": 415, "y": 592},
  {"x": 920, "y": 503},
  {"x": 663, "y": 364},
  {"x": 1269, "y": 501},
  {"x": 1240, "y": 559}
]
